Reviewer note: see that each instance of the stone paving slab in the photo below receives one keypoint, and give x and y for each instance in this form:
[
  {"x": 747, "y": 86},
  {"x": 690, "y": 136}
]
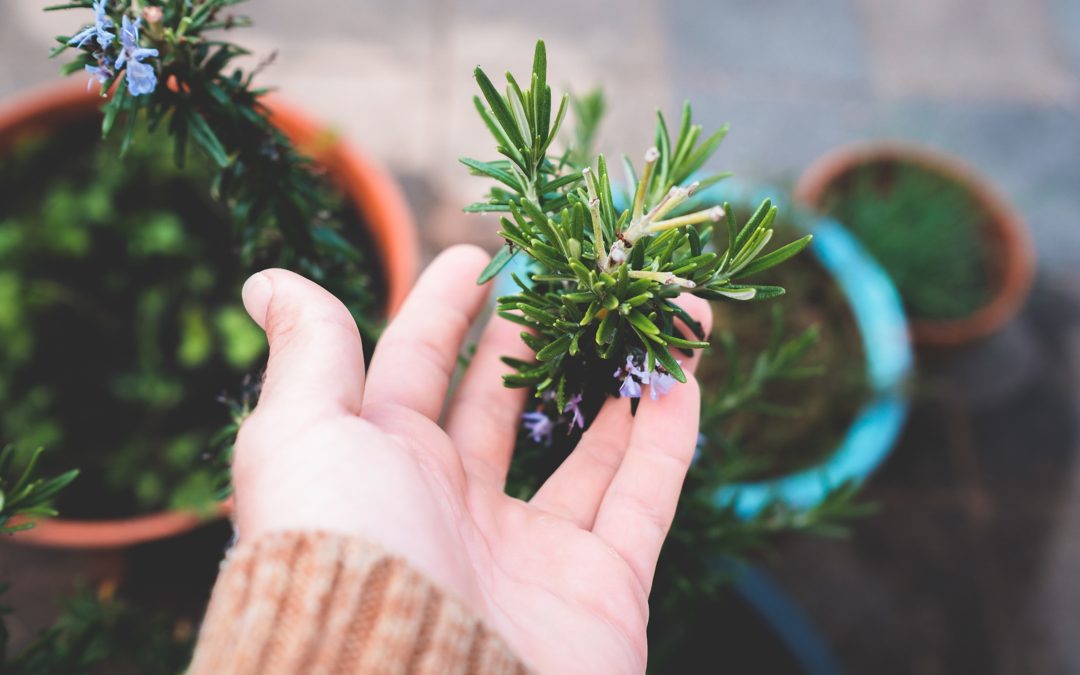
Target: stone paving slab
[
  {"x": 1065, "y": 16},
  {"x": 780, "y": 41},
  {"x": 966, "y": 50}
]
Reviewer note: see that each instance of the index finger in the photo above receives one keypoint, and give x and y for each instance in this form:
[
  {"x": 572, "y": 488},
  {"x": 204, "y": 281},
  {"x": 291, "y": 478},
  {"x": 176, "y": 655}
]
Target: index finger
[{"x": 415, "y": 359}]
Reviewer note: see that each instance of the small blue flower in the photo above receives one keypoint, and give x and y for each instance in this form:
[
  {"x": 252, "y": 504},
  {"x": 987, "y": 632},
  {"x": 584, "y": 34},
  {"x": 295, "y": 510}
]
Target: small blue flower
[
  {"x": 660, "y": 383},
  {"x": 539, "y": 427},
  {"x": 632, "y": 376},
  {"x": 635, "y": 376},
  {"x": 574, "y": 406},
  {"x": 98, "y": 31},
  {"x": 141, "y": 78},
  {"x": 101, "y": 73},
  {"x": 630, "y": 388}
]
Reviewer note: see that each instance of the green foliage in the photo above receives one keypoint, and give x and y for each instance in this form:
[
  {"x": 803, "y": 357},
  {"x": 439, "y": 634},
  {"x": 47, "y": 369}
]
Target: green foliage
[
  {"x": 26, "y": 495},
  {"x": 704, "y": 553},
  {"x": 240, "y": 408},
  {"x": 701, "y": 527},
  {"x": 708, "y": 542},
  {"x": 136, "y": 260},
  {"x": 925, "y": 230},
  {"x": 788, "y": 401},
  {"x": 779, "y": 359},
  {"x": 599, "y": 288},
  {"x": 283, "y": 212},
  {"x": 277, "y": 209},
  {"x": 23, "y": 492},
  {"x": 98, "y": 632},
  {"x": 589, "y": 111},
  {"x": 603, "y": 280}
]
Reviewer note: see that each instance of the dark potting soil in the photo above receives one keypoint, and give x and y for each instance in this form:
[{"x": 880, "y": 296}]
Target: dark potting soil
[
  {"x": 796, "y": 422},
  {"x": 926, "y": 230},
  {"x": 121, "y": 320}
]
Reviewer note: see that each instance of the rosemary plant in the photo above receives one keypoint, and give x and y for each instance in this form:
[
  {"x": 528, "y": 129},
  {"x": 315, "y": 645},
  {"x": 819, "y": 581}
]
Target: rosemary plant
[
  {"x": 22, "y": 492},
  {"x": 99, "y": 632},
  {"x": 925, "y": 229},
  {"x": 163, "y": 65},
  {"x": 599, "y": 295}
]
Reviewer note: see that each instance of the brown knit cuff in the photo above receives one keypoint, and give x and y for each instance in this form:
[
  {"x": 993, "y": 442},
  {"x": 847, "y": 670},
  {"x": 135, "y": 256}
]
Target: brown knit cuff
[{"x": 294, "y": 602}]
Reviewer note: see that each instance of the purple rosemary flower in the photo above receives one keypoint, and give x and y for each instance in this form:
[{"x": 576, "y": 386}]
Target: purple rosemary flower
[
  {"x": 539, "y": 427},
  {"x": 101, "y": 73},
  {"x": 99, "y": 31},
  {"x": 574, "y": 406},
  {"x": 632, "y": 376},
  {"x": 660, "y": 383},
  {"x": 630, "y": 388},
  {"x": 635, "y": 376},
  {"x": 141, "y": 78}
]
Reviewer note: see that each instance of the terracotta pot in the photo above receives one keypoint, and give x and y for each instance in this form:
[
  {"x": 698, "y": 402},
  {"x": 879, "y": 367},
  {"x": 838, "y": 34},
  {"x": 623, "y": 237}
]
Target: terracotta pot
[
  {"x": 375, "y": 194},
  {"x": 1012, "y": 264}
]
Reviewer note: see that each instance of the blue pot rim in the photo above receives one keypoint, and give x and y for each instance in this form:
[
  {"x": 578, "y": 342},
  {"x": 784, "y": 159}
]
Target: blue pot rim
[{"x": 879, "y": 314}]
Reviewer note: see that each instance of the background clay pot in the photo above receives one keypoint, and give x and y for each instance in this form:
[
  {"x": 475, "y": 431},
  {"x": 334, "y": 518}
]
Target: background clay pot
[
  {"x": 374, "y": 193},
  {"x": 1013, "y": 262}
]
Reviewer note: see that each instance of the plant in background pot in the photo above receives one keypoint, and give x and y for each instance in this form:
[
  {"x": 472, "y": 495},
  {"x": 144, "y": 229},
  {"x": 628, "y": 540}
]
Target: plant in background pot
[
  {"x": 788, "y": 407},
  {"x": 593, "y": 279},
  {"x": 958, "y": 252},
  {"x": 121, "y": 261},
  {"x": 790, "y": 430},
  {"x": 25, "y": 497},
  {"x": 23, "y": 493},
  {"x": 97, "y": 630}
]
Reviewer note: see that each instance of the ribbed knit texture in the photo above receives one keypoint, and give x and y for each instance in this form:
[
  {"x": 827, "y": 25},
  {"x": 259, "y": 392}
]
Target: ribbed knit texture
[{"x": 295, "y": 602}]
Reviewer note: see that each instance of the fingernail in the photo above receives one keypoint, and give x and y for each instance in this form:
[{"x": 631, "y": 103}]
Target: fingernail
[{"x": 256, "y": 293}]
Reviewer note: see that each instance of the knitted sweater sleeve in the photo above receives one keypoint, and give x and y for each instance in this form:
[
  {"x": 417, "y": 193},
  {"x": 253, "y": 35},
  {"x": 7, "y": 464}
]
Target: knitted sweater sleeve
[{"x": 295, "y": 602}]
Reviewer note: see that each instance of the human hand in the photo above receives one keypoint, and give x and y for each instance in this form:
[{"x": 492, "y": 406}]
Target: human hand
[{"x": 564, "y": 577}]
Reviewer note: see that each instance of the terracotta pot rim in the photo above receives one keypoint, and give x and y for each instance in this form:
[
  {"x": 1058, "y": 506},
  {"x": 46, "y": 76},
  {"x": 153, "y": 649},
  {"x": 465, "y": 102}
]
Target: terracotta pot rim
[
  {"x": 377, "y": 196},
  {"x": 1016, "y": 273},
  {"x": 117, "y": 532}
]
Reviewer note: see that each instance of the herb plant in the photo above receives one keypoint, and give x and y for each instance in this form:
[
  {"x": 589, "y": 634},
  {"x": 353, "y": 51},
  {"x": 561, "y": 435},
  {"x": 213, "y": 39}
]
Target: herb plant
[
  {"x": 786, "y": 407},
  {"x": 926, "y": 231},
  {"x": 165, "y": 64},
  {"x": 601, "y": 280},
  {"x": 25, "y": 494},
  {"x": 172, "y": 91},
  {"x": 135, "y": 259},
  {"x": 100, "y": 632},
  {"x": 596, "y": 295}
]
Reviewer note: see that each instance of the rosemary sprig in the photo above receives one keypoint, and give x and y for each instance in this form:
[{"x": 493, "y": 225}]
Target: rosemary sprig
[{"x": 602, "y": 279}]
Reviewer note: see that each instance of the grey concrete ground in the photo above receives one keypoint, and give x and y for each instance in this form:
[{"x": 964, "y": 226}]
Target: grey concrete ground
[{"x": 973, "y": 565}]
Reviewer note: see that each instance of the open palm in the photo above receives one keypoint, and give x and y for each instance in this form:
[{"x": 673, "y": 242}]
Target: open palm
[{"x": 564, "y": 577}]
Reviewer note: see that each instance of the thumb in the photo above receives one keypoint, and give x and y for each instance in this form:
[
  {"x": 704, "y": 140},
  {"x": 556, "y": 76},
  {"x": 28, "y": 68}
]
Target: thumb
[{"x": 316, "y": 359}]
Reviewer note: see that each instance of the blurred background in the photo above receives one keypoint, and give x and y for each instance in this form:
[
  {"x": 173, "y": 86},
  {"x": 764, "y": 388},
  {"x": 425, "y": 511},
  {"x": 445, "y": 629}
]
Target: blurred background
[{"x": 973, "y": 563}]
